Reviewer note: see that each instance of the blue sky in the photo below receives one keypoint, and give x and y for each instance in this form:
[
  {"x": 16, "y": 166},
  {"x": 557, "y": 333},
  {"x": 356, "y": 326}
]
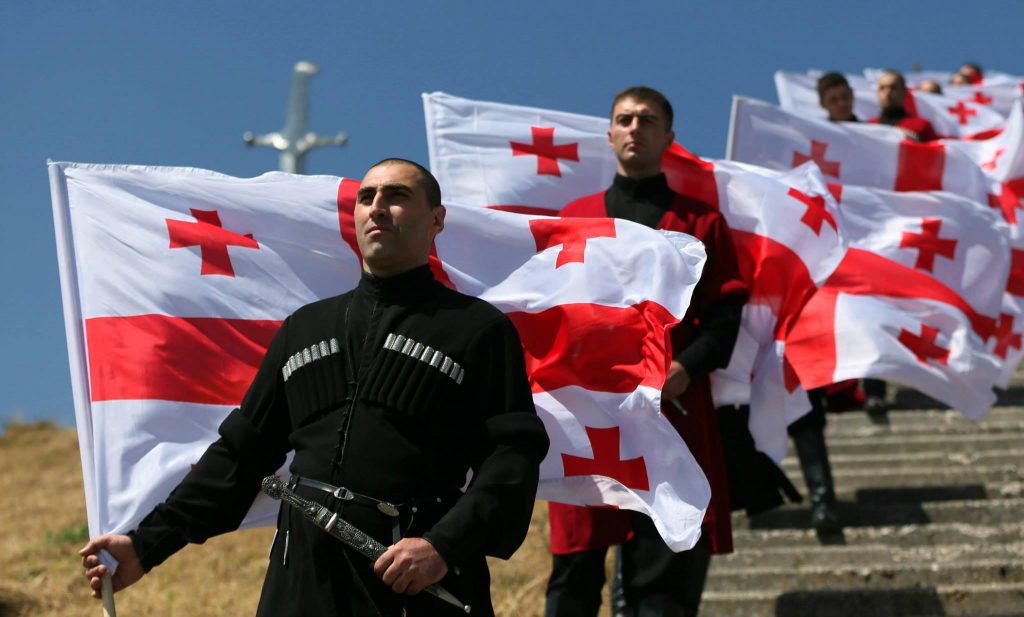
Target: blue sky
[{"x": 177, "y": 83}]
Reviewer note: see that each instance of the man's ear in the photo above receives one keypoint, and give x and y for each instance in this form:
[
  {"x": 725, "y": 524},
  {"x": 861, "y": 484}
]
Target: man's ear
[
  {"x": 438, "y": 224},
  {"x": 670, "y": 138}
]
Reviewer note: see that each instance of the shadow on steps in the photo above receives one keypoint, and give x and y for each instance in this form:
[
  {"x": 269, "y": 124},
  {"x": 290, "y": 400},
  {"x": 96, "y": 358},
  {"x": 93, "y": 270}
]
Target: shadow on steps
[
  {"x": 860, "y": 603},
  {"x": 875, "y": 507}
]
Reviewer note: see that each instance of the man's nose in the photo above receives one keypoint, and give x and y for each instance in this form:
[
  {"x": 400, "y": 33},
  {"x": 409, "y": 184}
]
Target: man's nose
[{"x": 379, "y": 206}]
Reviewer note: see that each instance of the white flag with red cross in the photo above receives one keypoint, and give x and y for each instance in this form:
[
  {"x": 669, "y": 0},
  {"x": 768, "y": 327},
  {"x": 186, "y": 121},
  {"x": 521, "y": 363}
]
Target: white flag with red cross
[
  {"x": 1001, "y": 160},
  {"x": 914, "y": 78},
  {"x": 175, "y": 280},
  {"x": 949, "y": 116},
  {"x": 997, "y": 90},
  {"x": 960, "y": 243},
  {"x": 787, "y": 232},
  {"x": 803, "y": 243},
  {"x": 877, "y": 318},
  {"x": 850, "y": 153},
  {"x": 998, "y": 97}
]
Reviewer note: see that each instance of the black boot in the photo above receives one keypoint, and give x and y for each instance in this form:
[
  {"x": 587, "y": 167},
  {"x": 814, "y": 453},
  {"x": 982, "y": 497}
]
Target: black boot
[
  {"x": 878, "y": 411},
  {"x": 813, "y": 455}
]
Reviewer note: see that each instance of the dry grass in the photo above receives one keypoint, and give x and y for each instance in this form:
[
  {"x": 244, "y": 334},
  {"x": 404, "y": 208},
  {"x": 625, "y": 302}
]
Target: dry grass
[{"x": 42, "y": 526}]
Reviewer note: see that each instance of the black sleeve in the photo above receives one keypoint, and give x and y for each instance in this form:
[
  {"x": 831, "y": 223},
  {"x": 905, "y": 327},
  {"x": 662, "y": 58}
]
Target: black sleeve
[
  {"x": 716, "y": 336},
  {"x": 215, "y": 495},
  {"x": 493, "y": 516}
]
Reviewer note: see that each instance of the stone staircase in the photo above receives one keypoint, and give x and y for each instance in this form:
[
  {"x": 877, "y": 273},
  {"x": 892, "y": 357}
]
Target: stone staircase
[{"x": 933, "y": 514}]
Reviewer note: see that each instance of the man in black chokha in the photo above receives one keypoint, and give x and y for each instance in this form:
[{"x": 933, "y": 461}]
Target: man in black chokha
[{"x": 413, "y": 386}]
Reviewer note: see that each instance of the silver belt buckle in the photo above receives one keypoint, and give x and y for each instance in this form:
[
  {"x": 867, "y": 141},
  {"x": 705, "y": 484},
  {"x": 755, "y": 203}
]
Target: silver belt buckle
[{"x": 387, "y": 508}]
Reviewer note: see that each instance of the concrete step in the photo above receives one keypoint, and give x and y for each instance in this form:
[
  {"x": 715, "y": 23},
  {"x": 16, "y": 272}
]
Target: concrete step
[
  {"x": 886, "y": 444},
  {"x": 976, "y": 600},
  {"x": 915, "y": 427},
  {"x": 875, "y": 576},
  {"x": 848, "y": 480},
  {"x": 893, "y": 513},
  {"x": 985, "y": 457},
  {"x": 997, "y": 412},
  {"x": 896, "y": 536},
  {"x": 863, "y": 555}
]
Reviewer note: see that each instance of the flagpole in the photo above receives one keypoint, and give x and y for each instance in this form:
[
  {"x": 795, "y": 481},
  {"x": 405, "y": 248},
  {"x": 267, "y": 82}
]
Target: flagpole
[
  {"x": 731, "y": 139},
  {"x": 108, "y": 596}
]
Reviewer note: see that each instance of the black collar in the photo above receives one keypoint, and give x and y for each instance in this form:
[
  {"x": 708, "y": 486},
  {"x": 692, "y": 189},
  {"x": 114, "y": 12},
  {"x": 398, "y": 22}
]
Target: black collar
[
  {"x": 409, "y": 285},
  {"x": 892, "y": 116},
  {"x": 652, "y": 188}
]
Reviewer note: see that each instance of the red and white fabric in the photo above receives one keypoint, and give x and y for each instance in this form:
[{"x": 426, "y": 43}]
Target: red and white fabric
[
  {"x": 787, "y": 232},
  {"x": 850, "y": 153},
  {"x": 960, "y": 243},
  {"x": 914, "y": 78},
  {"x": 949, "y": 116},
  {"x": 515, "y": 157},
  {"x": 175, "y": 280},
  {"x": 804, "y": 243},
  {"x": 1000, "y": 97},
  {"x": 1001, "y": 159},
  {"x": 798, "y": 93},
  {"x": 877, "y": 318}
]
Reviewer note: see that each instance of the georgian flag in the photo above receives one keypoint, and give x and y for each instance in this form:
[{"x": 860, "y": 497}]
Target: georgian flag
[
  {"x": 914, "y": 301},
  {"x": 803, "y": 243},
  {"x": 949, "y": 116},
  {"x": 850, "y": 153},
  {"x": 877, "y": 318},
  {"x": 1001, "y": 160},
  {"x": 175, "y": 280},
  {"x": 960, "y": 243},
  {"x": 514, "y": 157},
  {"x": 787, "y": 232},
  {"x": 1000, "y": 97},
  {"x": 914, "y": 78}
]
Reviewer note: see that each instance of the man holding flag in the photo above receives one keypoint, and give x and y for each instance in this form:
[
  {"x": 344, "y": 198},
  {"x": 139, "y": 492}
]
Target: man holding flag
[
  {"x": 657, "y": 581},
  {"x": 389, "y": 395}
]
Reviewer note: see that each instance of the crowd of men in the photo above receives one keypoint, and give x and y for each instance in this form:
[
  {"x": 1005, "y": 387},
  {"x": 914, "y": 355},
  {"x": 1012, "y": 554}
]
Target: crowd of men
[{"x": 393, "y": 465}]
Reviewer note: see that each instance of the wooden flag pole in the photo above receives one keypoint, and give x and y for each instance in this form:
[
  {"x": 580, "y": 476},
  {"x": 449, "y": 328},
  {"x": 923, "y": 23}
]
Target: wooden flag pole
[{"x": 108, "y": 596}]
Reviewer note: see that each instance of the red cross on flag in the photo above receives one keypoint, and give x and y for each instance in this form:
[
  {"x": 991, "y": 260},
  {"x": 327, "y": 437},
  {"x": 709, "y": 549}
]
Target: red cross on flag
[
  {"x": 862, "y": 154},
  {"x": 161, "y": 352}
]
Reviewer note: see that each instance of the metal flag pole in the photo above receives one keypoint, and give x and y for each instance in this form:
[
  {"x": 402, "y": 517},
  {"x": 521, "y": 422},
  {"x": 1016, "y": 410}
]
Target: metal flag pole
[{"x": 295, "y": 140}]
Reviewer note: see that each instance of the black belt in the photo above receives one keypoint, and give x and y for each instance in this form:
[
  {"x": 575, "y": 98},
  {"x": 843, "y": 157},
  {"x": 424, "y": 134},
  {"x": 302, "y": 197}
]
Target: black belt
[
  {"x": 386, "y": 508},
  {"x": 340, "y": 492}
]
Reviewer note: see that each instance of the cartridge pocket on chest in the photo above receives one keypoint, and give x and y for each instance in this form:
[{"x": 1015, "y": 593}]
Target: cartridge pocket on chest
[
  {"x": 315, "y": 381},
  {"x": 415, "y": 379}
]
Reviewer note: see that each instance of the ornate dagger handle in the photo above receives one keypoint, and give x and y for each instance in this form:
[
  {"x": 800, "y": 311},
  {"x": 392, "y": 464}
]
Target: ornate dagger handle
[{"x": 344, "y": 531}]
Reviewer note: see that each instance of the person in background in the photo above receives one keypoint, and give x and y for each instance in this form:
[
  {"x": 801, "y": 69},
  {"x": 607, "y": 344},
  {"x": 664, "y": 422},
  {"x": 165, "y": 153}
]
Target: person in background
[
  {"x": 657, "y": 582},
  {"x": 836, "y": 97},
  {"x": 972, "y": 72},
  {"x": 892, "y": 94}
]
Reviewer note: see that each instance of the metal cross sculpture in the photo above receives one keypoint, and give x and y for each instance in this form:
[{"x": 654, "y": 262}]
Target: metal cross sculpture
[{"x": 295, "y": 140}]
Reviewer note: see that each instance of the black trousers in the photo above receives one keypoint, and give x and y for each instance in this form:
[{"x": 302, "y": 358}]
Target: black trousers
[{"x": 656, "y": 582}]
